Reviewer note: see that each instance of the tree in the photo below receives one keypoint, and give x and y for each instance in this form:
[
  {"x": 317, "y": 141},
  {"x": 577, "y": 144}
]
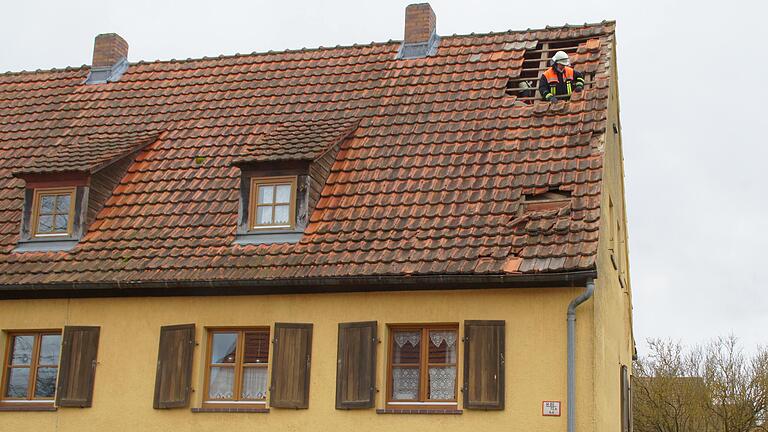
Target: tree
[{"x": 711, "y": 389}]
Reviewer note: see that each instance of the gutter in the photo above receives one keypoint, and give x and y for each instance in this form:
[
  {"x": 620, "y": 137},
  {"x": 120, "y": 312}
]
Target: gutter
[
  {"x": 293, "y": 286},
  {"x": 571, "y": 318}
]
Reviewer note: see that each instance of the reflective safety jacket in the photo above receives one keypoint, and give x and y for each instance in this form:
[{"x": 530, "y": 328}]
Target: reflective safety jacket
[{"x": 560, "y": 84}]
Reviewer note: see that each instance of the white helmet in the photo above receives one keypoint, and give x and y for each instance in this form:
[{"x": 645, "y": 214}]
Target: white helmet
[{"x": 562, "y": 58}]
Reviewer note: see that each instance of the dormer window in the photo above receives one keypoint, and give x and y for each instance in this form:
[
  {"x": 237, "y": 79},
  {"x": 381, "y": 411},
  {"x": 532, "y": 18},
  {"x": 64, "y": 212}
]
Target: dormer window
[
  {"x": 65, "y": 189},
  {"x": 282, "y": 175},
  {"x": 53, "y": 212},
  {"x": 273, "y": 203}
]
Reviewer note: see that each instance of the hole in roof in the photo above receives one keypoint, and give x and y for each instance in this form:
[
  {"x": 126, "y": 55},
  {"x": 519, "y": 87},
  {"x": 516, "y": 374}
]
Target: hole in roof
[
  {"x": 550, "y": 195},
  {"x": 525, "y": 86}
]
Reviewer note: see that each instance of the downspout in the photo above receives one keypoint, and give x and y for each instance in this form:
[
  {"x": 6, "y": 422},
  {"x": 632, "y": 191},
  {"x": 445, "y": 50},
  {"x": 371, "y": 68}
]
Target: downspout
[{"x": 572, "y": 352}]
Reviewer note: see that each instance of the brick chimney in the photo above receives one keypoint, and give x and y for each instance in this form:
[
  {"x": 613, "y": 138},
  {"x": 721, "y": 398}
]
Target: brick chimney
[
  {"x": 420, "y": 23},
  {"x": 420, "y": 39},
  {"x": 110, "y": 59}
]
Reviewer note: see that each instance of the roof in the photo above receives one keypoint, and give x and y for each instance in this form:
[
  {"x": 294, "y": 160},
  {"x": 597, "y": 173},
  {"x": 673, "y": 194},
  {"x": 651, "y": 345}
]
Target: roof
[
  {"x": 87, "y": 153},
  {"x": 298, "y": 140},
  {"x": 430, "y": 181}
]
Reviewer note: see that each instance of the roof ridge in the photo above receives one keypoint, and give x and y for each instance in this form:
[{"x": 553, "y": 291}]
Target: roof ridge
[{"x": 310, "y": 49}]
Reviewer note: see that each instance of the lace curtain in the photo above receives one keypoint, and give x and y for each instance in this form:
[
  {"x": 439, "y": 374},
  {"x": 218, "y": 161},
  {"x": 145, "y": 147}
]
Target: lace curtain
[
  {"x": 438, "y": 337},
  {"x": 222, "y": 383},
  {"x": 405, "y": 383},
  {"x": 402, "y": 338},
  {"x": 442, "y": 382},
  {"x": 254, "y": 383}
]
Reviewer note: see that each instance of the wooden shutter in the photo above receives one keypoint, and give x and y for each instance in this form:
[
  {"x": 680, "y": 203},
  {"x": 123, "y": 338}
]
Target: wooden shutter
[
  {"x": 290, "y": 366},
  {"x": 356, "y": 365},
  {"x": 626, "y": 401},
  {"x": 173, "y": 379},
  {"x": 77, "y": 369},
  {"x": 484, "y": 365}
]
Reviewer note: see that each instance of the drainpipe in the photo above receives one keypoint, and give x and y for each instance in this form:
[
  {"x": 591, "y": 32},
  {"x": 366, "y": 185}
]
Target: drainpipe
[{"x": 572, "y": 352}]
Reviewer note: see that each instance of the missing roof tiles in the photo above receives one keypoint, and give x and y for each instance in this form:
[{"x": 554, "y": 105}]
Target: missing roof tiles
[
  {"x": 550, "y": 195},
  {"x": 536, "y": 61}
]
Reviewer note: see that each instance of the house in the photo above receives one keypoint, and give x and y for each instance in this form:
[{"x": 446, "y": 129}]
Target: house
[{"x": 388, "y": 236}]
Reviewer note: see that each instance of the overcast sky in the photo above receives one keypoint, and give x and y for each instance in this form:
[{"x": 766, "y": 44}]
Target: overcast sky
[{"x": 692, "y": 90}]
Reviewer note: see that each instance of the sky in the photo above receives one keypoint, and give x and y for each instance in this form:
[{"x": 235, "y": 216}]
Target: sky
[{"x": 692, "y": 112}]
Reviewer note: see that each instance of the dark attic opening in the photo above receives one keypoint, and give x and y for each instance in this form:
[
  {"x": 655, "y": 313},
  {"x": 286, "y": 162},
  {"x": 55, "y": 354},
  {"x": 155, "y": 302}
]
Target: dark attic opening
[{"x": 536, "y": 61}]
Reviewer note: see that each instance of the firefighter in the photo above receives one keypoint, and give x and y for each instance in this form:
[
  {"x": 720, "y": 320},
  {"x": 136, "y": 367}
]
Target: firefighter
[{"x": 560, "y": 80}]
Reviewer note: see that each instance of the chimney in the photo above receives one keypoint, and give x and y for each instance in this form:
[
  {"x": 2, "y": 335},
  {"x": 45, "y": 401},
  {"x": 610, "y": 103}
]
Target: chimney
[
  {"x": 420, "y": 39},
  {"x": 110, "y": 59}
]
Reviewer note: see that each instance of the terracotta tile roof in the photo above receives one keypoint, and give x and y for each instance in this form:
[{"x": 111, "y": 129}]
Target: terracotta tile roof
[
  {"x": 89, "y": 153},
  {"x": 431, "y": 181},
  {"x": 300, "y": 140}
]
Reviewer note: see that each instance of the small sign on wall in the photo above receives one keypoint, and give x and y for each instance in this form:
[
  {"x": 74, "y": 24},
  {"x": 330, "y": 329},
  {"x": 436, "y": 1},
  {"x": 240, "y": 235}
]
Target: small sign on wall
[{"x": 550, "y": 408}]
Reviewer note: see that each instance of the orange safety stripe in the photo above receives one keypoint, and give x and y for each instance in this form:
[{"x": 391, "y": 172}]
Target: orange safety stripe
[{"x": 551, "y": 75}]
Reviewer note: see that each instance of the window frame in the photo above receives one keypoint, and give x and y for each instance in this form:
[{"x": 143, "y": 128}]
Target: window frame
[
  {"x": 253, "y": 203},
  {"x": 38, "y": 194},
  {"x": 238, "y": 366},
  {"x": 30, "y": 399},
  {"x": 423, "y": 402}
]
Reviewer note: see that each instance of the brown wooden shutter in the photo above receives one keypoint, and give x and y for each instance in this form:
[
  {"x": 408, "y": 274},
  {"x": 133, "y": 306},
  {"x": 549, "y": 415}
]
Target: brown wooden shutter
[
  {"x": 173, "y": 380},
  {"x": 77, "y": 369},
  {"x": 290, "y": 366},
  {"x": 626, "y": 404},
  {"x": 356, "y": 365},
  {"x": 484, "y": 365}
]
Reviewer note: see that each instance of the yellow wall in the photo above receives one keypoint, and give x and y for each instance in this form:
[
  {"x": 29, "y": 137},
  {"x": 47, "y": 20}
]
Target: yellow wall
[
  {"x": 130, "y": 327},
  {"x": 613, "y": 340}
]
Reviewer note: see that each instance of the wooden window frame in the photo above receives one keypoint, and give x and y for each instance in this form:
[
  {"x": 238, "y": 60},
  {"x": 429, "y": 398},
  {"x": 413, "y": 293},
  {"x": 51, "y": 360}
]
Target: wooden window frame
[
  {"x": 38, "y": 194},
  {"x": 253, "y": 203},
  {"x": 31, "y": 399},
  {"x": 423, "y": 401},
  {"x": 236, "y": 401}
]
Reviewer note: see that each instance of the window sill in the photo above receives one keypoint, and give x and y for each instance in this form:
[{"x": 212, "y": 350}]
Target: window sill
[
  {"x": 419, "y": 411},
  {"x": 53, "y": 244},
  {"x": 268, "y": 237},
  {"x": 28, "y": 408},
  {"x": 231, "y": 410}
]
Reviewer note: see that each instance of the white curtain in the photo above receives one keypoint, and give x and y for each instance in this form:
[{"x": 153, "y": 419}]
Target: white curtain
[
  {"x": 442, "y": 382},
  {"x": 438, "y": 337},
  {"x": 405, "y": 383},
  {"x": 402, "y": 338},
  {"x": 222, "y": 383},
  {"x": 254, "y": 383}
]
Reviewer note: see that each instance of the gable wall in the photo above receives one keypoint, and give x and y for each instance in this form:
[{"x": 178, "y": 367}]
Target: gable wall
[{"x": 613, "y": 340}]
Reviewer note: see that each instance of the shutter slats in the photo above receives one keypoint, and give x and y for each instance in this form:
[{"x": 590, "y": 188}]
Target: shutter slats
[
  {"x": 356, "y": 365},
  {"x": 291, "y": 366},
  {"x": 77, "y": 368},
  {"x": 484, "y": 365},
  {"x": 173, "y": 378}
]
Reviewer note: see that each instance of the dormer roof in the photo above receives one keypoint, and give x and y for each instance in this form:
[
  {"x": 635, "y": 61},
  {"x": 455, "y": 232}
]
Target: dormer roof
[{"x": 87, "y": 154}]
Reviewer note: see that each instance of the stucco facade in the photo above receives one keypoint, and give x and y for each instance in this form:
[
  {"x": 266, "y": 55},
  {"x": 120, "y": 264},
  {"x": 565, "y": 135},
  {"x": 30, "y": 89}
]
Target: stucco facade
[{"x": 130, "y": 328}]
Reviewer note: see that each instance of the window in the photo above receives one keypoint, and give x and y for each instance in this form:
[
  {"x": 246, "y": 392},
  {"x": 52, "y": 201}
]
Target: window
[
  {"x": 273, "y": 203},
  {"x": 422, "y": 365},
  {"x": 31, "y": 367},
  {"x": 52, "y": 212},
  {"x": 237, "y": 366}
]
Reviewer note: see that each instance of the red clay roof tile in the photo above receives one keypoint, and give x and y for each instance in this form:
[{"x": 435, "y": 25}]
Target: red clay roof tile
[{"x": 430, "y": 181}]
